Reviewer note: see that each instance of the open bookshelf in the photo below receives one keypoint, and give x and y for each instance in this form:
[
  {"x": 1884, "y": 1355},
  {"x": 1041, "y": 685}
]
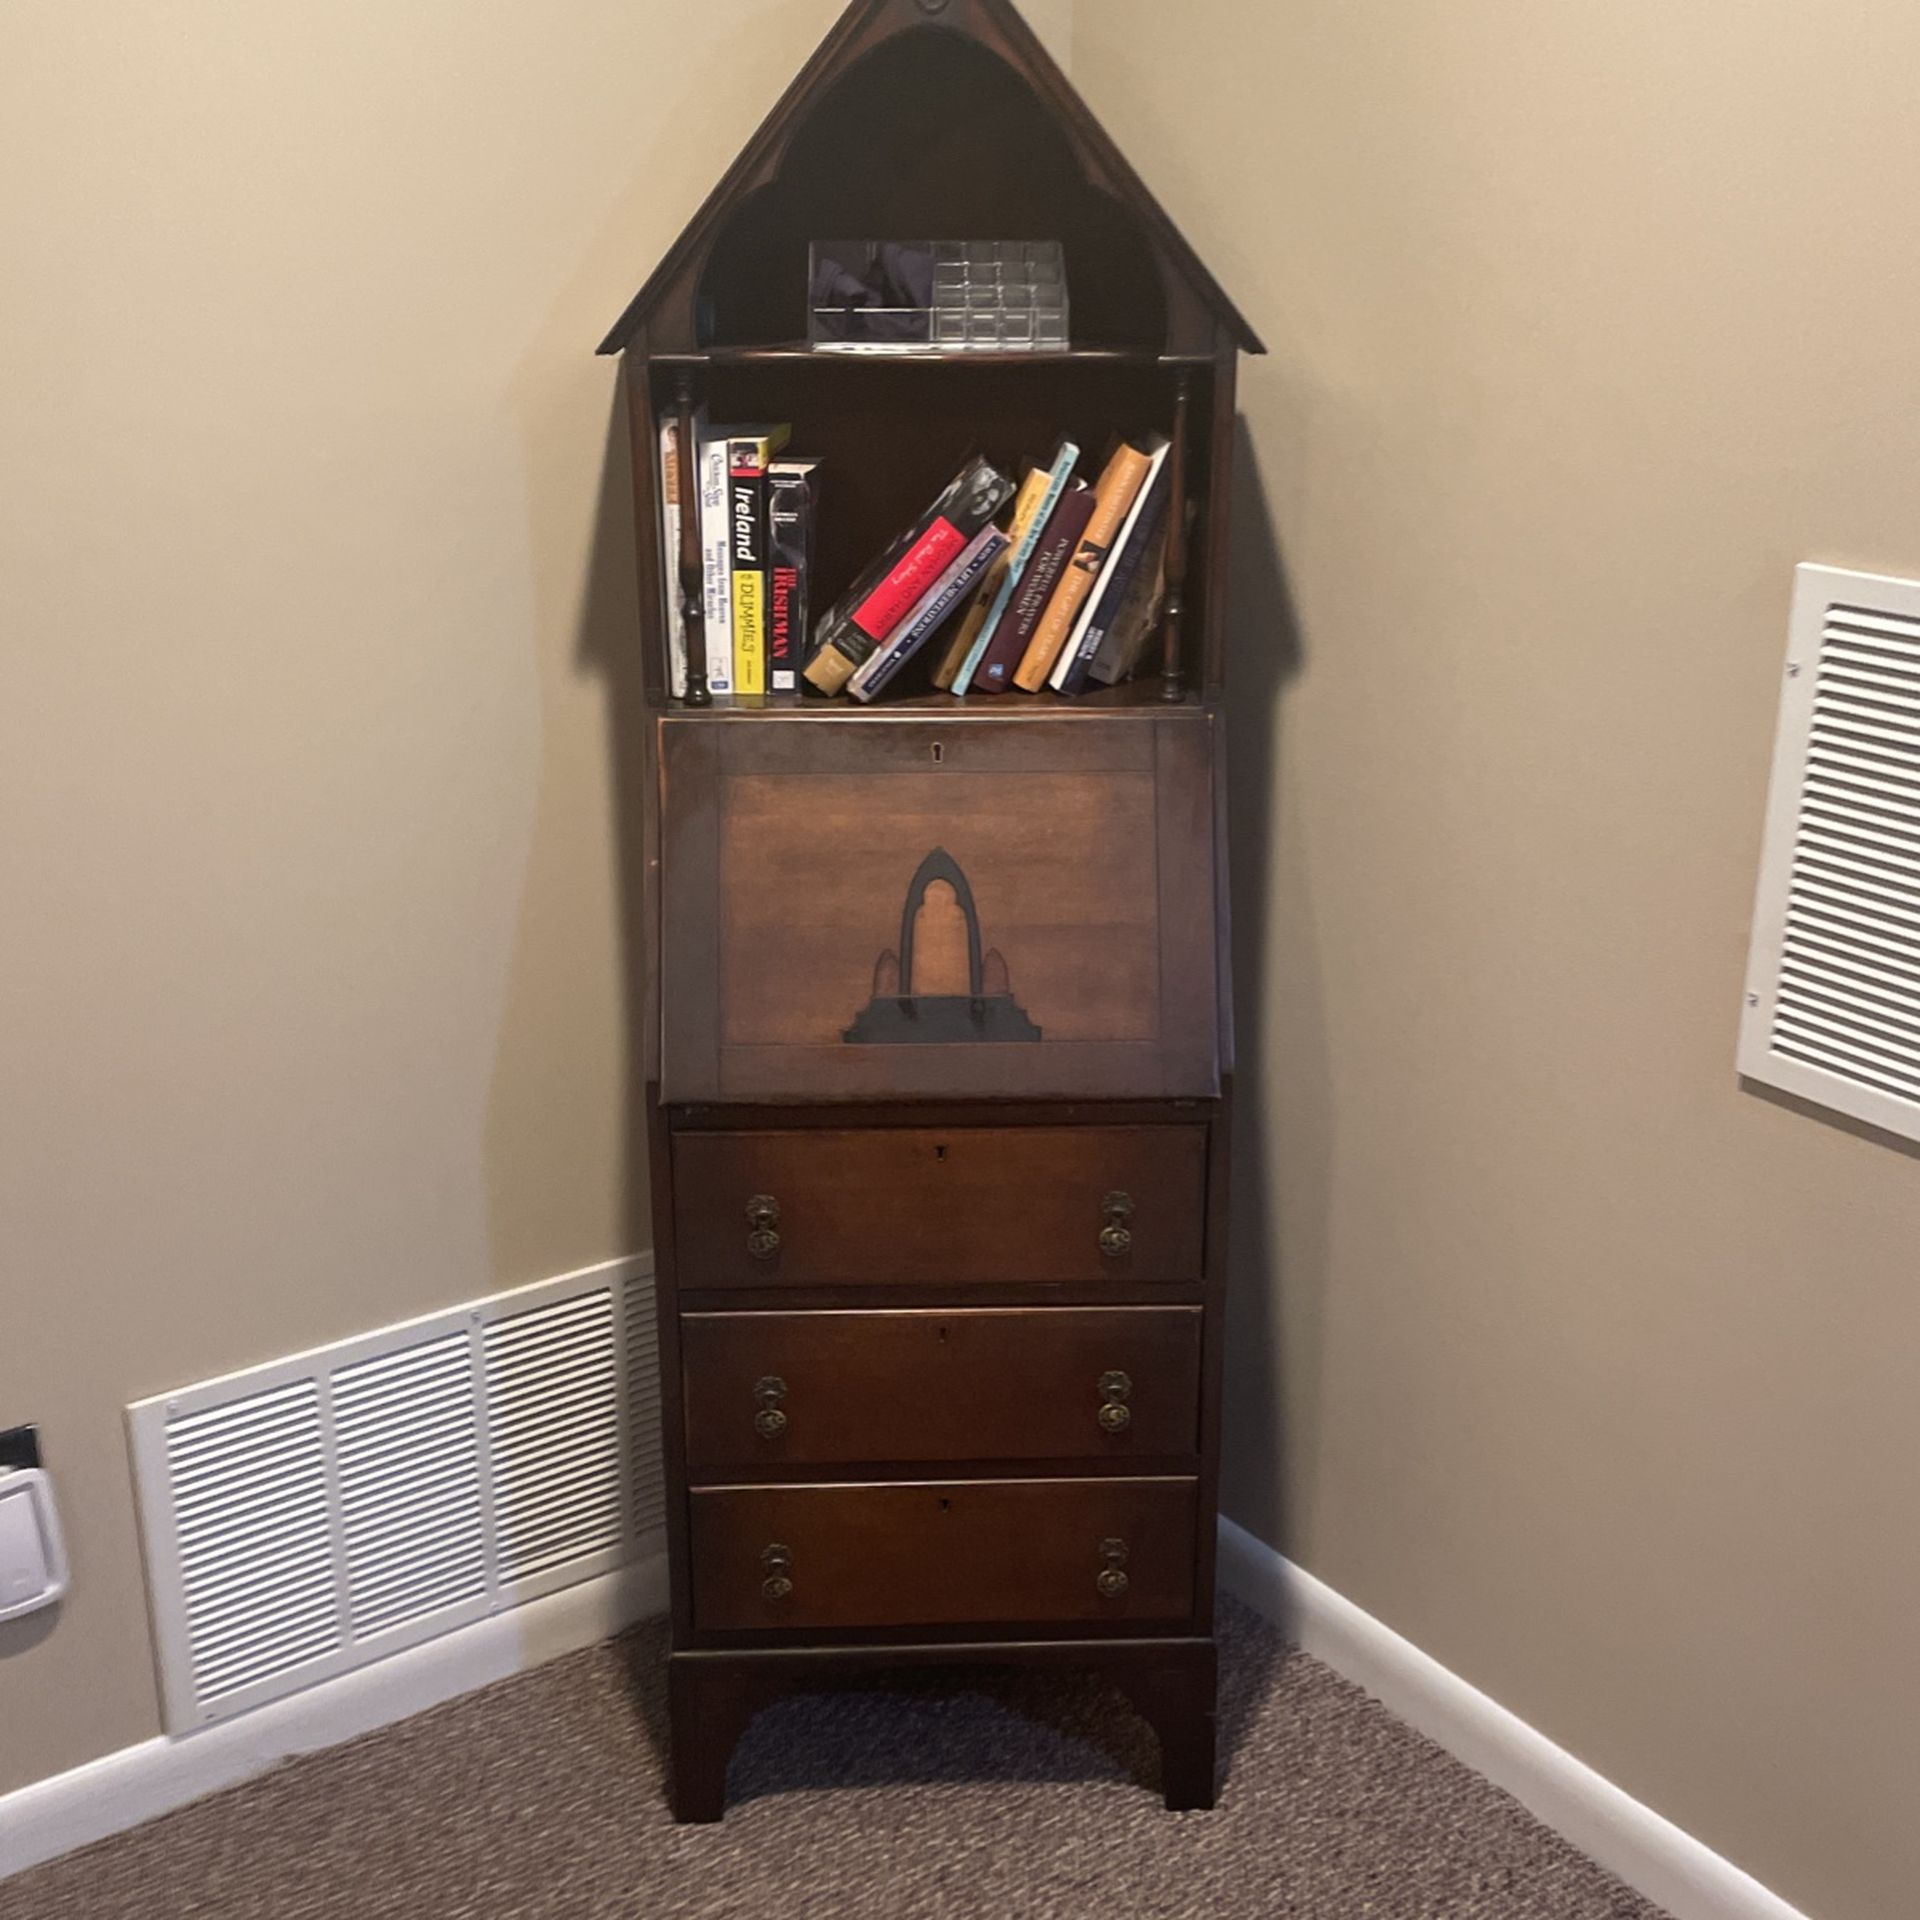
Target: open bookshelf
[
  {"x": 938, "y": 116},
  {"x": 937, "y": 1041}
]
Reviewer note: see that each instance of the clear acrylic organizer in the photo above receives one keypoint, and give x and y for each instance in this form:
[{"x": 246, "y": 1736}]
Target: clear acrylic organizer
[{"x": 946, "y": 296}]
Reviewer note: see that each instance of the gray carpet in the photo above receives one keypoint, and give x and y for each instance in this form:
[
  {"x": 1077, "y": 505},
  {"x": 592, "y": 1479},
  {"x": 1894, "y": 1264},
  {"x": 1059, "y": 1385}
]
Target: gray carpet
[{"x": 990, "y": 1796}]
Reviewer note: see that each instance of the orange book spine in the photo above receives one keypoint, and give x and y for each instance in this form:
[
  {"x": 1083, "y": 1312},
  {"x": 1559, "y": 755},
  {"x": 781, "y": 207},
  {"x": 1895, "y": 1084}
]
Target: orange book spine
[{"x": 1112, "y": 497}]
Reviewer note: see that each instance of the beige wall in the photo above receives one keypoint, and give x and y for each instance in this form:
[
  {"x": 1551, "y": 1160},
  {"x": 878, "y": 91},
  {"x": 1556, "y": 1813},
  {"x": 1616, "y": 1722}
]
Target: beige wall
[
  {"x": 313, "y": 1013},
  {"x": 311, "y": 941},
  {"x": 1599, "y": 1378},
  {"x": 1597, "y": 1374}
]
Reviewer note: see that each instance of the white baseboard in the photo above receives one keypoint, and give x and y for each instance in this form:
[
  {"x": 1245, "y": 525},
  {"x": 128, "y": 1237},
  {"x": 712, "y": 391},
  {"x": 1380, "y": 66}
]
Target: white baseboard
[
  {"x": 1652, "y": 1855},
  {"x": 107, "y": 1796},
  {"x": 1649, "y": 1853}
]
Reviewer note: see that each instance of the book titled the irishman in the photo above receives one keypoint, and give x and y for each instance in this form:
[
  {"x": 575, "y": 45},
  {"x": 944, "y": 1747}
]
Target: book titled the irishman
[
  {"x": 889, "y": 591},
  {"x": 748, "y": 451},
  {"x": 791, "y": 487}
]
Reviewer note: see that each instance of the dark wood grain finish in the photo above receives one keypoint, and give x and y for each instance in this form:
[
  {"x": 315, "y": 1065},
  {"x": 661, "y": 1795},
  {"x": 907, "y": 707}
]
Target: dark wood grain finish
[
  {"x": 789, "y": 851},
  {"x": 915, "y": 1207},
  {"x": 935, "y": 1296},
  {"x": 948, "y": 1551},
  {"x": 938, "y": 1384},
  {"x": 909, "y": 113}
]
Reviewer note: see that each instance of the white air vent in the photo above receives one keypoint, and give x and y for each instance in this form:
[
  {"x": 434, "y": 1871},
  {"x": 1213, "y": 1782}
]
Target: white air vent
[
  {"x": 1833, "y": 981},
  {"x": 306, "y": 1517}
]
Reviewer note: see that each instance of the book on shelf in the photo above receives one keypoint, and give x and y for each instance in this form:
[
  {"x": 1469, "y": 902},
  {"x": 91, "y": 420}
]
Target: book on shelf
[
  {"x": 1118, "y": 485},
  {"x": 970, "y": 648},
  {"x": 671, "y": 510},
  {"x": 1138, "y": 620},
  {"x": 1124, "y": 560},
  {"x": 1028, "y": 605},
  {"x": 791, "y": 485},
  {"x": 1025, "y": 501},
  {"x": 940, "y": 600},
  {"x": 749, "y": 449},
  {"x": 716, "y": 567},
  {"x": 890, "y": 590}
]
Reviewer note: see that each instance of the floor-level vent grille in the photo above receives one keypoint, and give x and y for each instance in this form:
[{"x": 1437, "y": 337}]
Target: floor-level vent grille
[{"x": 306, "y": 1517}]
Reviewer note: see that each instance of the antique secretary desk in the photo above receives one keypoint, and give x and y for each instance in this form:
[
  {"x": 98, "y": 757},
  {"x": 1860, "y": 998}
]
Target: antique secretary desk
[{"x": 938, "y": 1044}]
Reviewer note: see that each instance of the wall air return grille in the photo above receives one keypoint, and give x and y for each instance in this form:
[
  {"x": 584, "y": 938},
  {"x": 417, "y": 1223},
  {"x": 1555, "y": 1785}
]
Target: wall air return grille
[
  {"x": 306, "y": 1517},
  {"x": 1833, "y": 984}
]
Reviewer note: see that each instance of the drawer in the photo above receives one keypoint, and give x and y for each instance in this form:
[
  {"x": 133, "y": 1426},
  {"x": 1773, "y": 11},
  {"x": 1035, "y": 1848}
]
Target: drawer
[
  {"x": 927, "y": 1553},
  {"x": 1016, "y": 1383},
  {"x": 911, "y": 1206},
  {"x": 948, "y": 908}
]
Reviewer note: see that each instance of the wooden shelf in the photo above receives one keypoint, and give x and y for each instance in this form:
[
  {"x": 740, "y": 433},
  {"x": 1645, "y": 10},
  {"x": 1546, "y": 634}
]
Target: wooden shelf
[
  {"x": 1141, "y": 697},
  {"x": 926, "y": 357}
]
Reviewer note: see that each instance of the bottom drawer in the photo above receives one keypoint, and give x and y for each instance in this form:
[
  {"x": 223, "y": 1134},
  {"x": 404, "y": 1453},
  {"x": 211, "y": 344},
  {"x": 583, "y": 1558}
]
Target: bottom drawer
[{"x": 926, "y": 1553}]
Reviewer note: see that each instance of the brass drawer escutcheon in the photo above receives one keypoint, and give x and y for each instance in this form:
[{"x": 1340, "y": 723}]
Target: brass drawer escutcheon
[
  {"x": 1112, "y": 1579},
  {"x": 763, "y": 1216},
  {"x": 778, "y": 1561},
  {"x": 1115, "y": 1415},
  {"x": 770, "y": 1422},
  {"x": 1116, "y": 1238}
]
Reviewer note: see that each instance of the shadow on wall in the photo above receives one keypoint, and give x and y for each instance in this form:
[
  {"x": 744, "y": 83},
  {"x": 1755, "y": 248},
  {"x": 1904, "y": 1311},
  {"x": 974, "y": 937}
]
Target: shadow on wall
[
  {"x": 562, "y": 1187},
  {"x": 564, "y": 1147},
  {"x": 1282, "y": 1096},
  {"x": 610, "y": 642}
]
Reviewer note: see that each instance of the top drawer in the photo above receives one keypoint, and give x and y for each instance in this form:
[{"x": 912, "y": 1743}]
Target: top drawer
[
  {"x": 860, "y": 909},
  {"x": 923, "y": 1206}
]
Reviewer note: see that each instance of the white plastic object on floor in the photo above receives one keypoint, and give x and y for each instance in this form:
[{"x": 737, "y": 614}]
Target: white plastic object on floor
[{"x": 33, "y": 1557}]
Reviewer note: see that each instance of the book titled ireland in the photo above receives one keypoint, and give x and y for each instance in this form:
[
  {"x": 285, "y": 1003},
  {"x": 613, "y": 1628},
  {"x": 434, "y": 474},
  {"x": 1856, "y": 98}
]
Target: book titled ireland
[{"x": 748, "y": 451}]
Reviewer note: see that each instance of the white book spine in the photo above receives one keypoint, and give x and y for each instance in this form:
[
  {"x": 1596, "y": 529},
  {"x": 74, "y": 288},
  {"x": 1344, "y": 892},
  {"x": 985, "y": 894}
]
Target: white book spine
[
  {"x": 671, "y": 510},
  {"x": 716, "y": 566}
]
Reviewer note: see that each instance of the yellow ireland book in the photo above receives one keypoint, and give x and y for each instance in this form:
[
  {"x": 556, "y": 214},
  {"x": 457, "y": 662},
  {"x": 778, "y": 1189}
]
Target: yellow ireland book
[{"x": 748, "y": 451}]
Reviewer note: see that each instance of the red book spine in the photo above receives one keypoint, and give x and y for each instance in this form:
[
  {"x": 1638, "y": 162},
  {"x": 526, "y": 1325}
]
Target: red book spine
[
  {"x": 901, "y": 591},
  {"x": 1057, "y": 545}
]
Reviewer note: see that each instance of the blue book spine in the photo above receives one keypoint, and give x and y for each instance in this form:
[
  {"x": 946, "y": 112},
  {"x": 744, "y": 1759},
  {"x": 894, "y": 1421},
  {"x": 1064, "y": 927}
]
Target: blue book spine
[{"x": 1062, "y": 471}]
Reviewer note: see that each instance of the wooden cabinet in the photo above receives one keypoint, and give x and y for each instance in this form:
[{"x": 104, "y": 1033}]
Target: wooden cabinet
[{"x": 935, "y": 1042}]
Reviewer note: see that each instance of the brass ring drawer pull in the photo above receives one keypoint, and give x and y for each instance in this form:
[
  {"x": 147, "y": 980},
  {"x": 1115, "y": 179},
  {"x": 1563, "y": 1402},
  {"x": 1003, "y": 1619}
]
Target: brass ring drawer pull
[
  {"x": 763, "y": 1216},
  {"x": 778, "y": 1561},
  {"x": 1115, "y": 1415},
  {"x": 1112, "y": 1578},
  {"x": 770, "y": 1423},
  {"x": 1116, "y": 1237}
]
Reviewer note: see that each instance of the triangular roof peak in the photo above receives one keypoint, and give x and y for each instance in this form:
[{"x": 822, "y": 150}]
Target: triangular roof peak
[{"x": 666, "y": 305}]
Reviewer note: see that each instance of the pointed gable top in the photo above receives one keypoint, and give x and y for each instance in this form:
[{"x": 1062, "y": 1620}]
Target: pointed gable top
[{"x": 667, "y": 303}]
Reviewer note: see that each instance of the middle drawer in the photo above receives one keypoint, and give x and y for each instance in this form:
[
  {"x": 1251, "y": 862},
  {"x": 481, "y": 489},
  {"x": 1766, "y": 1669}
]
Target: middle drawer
[{"x": 922, "y": 1384}]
